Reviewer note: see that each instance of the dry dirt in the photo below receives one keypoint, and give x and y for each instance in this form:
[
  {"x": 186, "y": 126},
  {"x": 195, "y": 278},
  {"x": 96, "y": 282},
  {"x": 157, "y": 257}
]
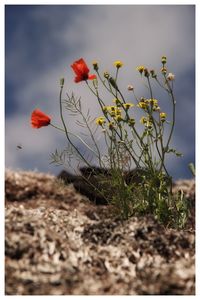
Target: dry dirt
[{"x": 59, "y": 243}]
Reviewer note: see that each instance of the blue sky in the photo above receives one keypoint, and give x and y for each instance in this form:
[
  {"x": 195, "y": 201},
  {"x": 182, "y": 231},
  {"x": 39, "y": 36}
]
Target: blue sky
[{"x": 43, "y": 41}]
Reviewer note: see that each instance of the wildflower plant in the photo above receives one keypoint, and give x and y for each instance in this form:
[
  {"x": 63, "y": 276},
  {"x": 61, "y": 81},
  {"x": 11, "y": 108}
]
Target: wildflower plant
[{"x": 136, "y": 180}]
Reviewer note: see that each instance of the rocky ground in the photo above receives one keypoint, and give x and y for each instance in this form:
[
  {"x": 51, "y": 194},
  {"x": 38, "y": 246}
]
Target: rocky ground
[{"x": 59, "y": 243}]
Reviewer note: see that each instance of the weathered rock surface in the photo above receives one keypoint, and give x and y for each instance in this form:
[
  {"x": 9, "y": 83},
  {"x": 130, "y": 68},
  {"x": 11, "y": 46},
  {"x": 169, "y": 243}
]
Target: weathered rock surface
[{"x": 59, "y": 243}]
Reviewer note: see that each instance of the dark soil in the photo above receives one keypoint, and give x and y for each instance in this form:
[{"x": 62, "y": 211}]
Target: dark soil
[{"x": 57, "y": 242}]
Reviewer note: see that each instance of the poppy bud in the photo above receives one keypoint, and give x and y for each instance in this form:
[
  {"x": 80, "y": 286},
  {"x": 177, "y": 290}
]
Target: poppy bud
[
  {"x": 62, "y": 81},
  {"x": 113, "y": 83},
  {"x": 106, "y": 75},
  {"x": 146, "y": 72},
  {"x": 95, "y": 65}
]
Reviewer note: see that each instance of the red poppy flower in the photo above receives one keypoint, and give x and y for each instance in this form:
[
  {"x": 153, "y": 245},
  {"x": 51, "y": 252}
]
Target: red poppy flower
[
  {"x": 39, "y": 119},
  {"x": 81, "y": 70}
]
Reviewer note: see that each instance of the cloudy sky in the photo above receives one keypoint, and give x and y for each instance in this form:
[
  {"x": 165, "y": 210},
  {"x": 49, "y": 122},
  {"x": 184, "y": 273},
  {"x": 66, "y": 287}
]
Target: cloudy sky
[{"x": 43, "y": 41}]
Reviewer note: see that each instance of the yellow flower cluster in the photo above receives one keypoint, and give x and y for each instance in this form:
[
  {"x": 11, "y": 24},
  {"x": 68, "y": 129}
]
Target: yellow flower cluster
[
  {"x": 146, "y": 121},
  {"x": 112, "y": 110},
  {"x": 115, "y": 112},
  {"x": 144, "y": 104}
]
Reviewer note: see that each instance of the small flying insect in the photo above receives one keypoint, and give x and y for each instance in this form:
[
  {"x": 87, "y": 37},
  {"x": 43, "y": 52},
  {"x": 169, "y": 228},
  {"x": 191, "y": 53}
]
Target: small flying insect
[{"x": 19, "y": 146}]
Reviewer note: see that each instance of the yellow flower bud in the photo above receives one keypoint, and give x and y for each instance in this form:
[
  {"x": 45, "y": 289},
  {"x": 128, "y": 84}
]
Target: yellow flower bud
[
  {"x": 163, "y": 60},
  {"x": 163, "y": 116}
]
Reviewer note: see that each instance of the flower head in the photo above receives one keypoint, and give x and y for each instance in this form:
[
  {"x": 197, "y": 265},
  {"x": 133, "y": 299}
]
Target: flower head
[
  {"x": 163, "y": 116},
  {"x": 154, "y": 104},
  {"x": 143, "y": 103},
  {"x": 118, "y": 64},
  {"x": 140, "y": 69},
  {"x": 81, "y": 70},
  {"x": 118, "y": 118},
  {"x": 39, "y": 119},
  {"x": 100, "y": 121},
  {"x": 128, "y": 105},
  {"x": 143, "y": 120},
  {"x": 131, "y": 122},
  {"x": 170, "y": 76}
]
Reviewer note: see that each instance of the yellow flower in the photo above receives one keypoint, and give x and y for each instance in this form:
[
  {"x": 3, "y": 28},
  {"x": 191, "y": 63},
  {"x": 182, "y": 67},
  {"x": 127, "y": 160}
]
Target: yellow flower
[
  {"x": 128, "y": 105},
  {"x": 112, "y": 114},
  {"x": 163, "y": 116},
  {"x": 154, "y": 103},
  {"x": 113, "y": 111},
  {"x": 131, "y": 122},
  {"x": 149, "y": 124},
  {"x": 118, "y": 111},
  {"x": 112, "y": 108},
  {"x": 105, "y": 109},
  {"x": 118, "y": 64},
  {"x": 118, "y": 118},
  {"x": 100, "y": 121},
  {"x": 140, "y": 69},
  {"x": 143, "y": 120},
  {"x": 143, "y": 104}
]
